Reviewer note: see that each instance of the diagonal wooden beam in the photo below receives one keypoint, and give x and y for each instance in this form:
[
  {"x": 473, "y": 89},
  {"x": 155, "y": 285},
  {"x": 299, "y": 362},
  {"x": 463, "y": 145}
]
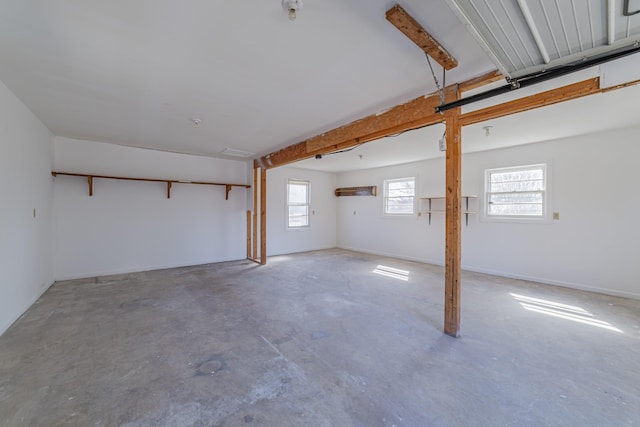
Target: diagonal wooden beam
[
  {"x": 482, "y": 80},
  {"x": 425, "y": 41},
  {"x": 414, "y": 114}
]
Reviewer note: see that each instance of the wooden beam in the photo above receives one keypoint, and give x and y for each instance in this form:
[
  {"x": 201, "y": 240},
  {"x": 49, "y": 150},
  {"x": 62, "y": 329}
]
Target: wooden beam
[
  {"x": 542, "y": 99},
  {"x": 255, "y": 210},
  {"x": 414, "y": 114},
  {"x": 263, "y": 216},
  {"x": 420, "y": 112},
  {"x": 453, "y": 227},
  {"x": 483, "y": 80},
  {"x": 425, "y": 41},
  {"x": 248, "y": 234}
]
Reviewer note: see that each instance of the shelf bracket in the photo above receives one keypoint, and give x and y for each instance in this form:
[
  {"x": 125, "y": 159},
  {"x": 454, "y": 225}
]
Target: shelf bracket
[
  {"x": 466, "y": 212},
  {"x": 169, "y": 189},
  {"x": 90, "y": 182},
  {"x": 228, "y": 189}
]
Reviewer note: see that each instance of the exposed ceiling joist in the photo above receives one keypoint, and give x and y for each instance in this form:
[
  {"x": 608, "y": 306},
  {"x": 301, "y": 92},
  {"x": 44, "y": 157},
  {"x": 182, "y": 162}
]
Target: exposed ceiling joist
[
  {"x": 483, "y": 80},
  {"x": 414, "y": 31},
  {"x": 417, "y": 113}
]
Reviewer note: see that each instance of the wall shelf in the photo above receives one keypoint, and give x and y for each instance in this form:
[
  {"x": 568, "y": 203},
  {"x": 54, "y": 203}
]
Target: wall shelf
[
  {"x": 356, "y": 191},
  {"x": 169, "y": 182},
  {"x": 466, "y": 212}
]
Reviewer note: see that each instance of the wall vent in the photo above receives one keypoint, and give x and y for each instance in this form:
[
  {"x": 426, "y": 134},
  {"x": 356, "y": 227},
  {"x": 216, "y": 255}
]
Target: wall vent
[{"x": 236, "y": 153}]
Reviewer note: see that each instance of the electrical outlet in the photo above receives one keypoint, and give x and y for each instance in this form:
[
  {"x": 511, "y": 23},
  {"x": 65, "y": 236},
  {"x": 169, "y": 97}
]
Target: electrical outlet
[{"x": 556, "y": 215}]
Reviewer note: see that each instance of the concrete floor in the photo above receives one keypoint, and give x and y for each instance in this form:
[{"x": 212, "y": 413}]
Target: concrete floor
[{"x": 319, "y": 339}]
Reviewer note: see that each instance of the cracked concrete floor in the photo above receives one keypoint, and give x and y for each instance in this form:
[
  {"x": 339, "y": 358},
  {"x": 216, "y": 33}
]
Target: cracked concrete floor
[{"x": 326, "y": 338}]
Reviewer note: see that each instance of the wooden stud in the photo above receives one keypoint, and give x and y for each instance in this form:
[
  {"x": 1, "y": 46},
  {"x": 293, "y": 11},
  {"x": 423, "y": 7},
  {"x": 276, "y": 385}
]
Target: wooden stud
[
  {"x": 248, "y": 234},
  {"x": 263, "y": 216},
  {"x": 90, "y": 182},
  {"x": 168, "y": 189},
  {"x": 425, "y": 41},
  {"x": 255, "y": 210},
  {"x": 453, "y": 243}
]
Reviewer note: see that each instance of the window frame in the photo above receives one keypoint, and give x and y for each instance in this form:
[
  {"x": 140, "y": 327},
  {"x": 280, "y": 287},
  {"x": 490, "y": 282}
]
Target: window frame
[
  {"x": 543, "y": 218},
  {"x": 385, "y": 196},
  {"x": 288, "y": 204}
]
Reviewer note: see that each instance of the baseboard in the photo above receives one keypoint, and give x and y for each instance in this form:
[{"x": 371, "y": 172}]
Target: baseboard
[
  {"x": 7, "y": 325},
  {"x": 560, "y": 283},
  {"x": 542, "y": 280},
  {"x": 142, "y": 269},
  {"x": 302, "y": 251},
  {"x": 390, "y": 255}
]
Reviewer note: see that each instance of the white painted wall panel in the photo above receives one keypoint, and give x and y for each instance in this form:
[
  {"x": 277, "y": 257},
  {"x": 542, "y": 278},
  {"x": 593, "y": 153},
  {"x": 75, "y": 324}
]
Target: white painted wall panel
[
  {"x": 25, "y": 184},
  {"x": 131, "y": 226},
  {"x": 593, "y": 246},
  {"x": 322, "y": 231}
]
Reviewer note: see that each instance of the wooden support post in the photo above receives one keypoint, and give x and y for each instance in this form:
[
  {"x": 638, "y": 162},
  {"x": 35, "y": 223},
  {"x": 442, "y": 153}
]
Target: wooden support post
[
  {"x": 255, "y": 210},
  {"x": 228, "y": 189},
  {"x": 263, "y": 216},
  {"x": 90, "y": 182},
  {"x": 248, "y": 234},
  {"x": 453, "y": 244},
  {"x": 169, "y": 189}
]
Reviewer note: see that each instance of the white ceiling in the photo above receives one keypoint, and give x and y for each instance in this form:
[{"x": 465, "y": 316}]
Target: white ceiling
[{"x": 136, "y": 72}]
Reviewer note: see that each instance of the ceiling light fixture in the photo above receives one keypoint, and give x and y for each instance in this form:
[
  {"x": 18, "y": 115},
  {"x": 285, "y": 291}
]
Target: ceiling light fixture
[
  {"x": 292, "y": 7},
  {"x": 487, "y": 130}
]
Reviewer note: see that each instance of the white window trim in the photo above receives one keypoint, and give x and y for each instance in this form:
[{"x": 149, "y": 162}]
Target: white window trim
[
  {"x": 415, "y": 198},
  {"x": 286, "y": 207},
  {"x": 524, "y": 219}
]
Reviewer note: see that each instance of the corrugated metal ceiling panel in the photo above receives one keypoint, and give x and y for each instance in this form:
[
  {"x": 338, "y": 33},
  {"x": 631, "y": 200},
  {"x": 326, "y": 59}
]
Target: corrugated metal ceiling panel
[{"x": 527, "y": 36}]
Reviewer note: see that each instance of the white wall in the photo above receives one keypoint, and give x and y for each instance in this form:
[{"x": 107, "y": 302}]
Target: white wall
[
  {"x": 131, "y": 226},
  {"x": 321, "y": 234},
  {"x": 594, "y": 245},
  {"x": 25, "y": 184}
]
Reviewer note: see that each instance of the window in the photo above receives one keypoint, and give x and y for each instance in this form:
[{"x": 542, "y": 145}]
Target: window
[
  {"x": 399, "y": 196},
  {"x": 518, "y": 192},
  {"x": 297, "y": 203}
]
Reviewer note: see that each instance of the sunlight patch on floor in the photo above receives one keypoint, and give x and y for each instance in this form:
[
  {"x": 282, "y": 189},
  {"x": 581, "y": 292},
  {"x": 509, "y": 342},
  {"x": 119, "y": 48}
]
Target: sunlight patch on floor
[
  {"x": 563, "y": 311},
  {"x": 395, "y": 273}
]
